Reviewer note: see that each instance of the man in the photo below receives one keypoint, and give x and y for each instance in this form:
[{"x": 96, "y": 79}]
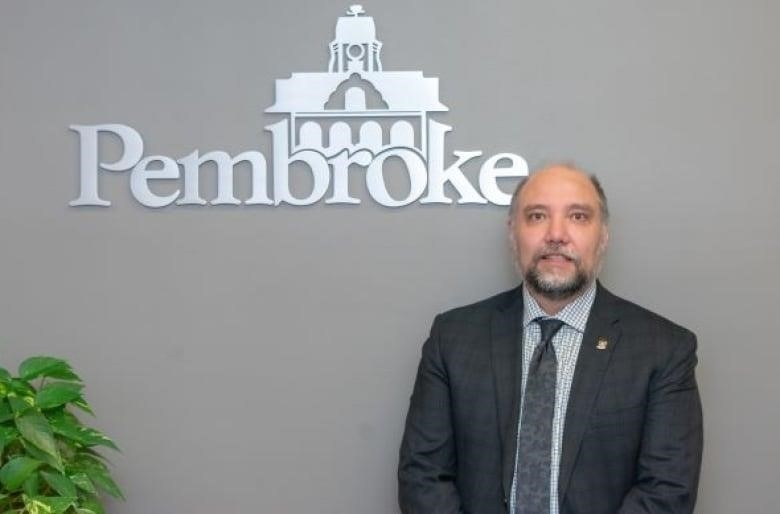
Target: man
[{"x": 556, "y": 397}]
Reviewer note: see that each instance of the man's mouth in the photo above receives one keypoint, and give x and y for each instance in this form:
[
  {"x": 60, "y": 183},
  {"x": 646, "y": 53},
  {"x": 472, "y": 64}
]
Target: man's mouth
[{"x": 555, "y": 257}]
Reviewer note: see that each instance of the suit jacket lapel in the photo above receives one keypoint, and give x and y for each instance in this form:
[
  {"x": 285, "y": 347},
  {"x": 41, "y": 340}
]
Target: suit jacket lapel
[
  {"x": 592, "y": 362},
  {"x": 505, "y": 339}
]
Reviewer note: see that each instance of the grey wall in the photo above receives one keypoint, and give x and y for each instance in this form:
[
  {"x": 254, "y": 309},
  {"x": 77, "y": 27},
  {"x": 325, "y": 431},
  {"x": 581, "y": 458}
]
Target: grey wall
[{"x": 256, "y": 359}]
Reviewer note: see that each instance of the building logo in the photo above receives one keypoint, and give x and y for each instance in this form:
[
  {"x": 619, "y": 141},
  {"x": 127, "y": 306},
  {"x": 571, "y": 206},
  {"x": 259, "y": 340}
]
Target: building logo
[{"x": 355, "y": 113}]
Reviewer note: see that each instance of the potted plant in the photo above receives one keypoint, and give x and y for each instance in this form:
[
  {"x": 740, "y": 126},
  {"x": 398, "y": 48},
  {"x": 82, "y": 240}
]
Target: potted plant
[{"x": 48, "y": 458}]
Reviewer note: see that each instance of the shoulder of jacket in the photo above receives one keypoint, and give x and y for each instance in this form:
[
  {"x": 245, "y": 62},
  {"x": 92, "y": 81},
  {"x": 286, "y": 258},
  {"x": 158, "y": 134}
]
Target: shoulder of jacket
[
  {"x": 635, "y": 315},
  {"x": 482, "y": 310}
]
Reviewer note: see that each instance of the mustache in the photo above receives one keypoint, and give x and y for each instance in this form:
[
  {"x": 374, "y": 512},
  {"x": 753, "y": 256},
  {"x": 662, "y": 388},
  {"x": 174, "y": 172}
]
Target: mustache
[{"x": 556, "y": 251}]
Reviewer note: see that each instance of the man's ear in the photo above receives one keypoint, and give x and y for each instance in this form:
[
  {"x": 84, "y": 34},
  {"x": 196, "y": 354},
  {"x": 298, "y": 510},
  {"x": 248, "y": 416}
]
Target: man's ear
[{"x": 604, "y": 239}]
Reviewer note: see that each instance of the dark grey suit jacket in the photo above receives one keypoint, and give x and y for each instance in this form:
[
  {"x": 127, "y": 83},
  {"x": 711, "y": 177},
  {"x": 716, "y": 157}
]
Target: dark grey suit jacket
[{"x": 632, "y": 439}]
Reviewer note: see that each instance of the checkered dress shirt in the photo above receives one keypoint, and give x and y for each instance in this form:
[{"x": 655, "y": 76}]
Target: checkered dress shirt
[{"x": 567, "y": 346}]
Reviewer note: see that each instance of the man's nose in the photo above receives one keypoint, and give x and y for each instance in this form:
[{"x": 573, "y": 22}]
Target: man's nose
[{"x": 557, "y": 230}]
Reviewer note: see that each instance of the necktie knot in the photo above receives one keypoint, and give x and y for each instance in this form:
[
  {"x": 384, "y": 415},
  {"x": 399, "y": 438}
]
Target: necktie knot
[{"x": 550, "y": 327}]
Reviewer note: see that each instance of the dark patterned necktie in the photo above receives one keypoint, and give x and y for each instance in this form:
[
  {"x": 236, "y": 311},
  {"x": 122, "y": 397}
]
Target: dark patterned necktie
[{"x": 535, "y": 441}]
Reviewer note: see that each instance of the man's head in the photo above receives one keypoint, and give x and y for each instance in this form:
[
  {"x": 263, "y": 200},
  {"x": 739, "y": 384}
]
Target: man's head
[{"x": 558, "y": 228}]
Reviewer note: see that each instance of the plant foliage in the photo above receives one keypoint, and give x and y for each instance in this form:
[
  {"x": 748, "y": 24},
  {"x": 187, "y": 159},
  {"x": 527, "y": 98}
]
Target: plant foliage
[{"x": 48, "y": 458}]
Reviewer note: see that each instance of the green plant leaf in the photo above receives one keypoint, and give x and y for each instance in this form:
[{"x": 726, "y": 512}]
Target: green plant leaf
[
  {"x": 85, "y": 511},
  {"x": 82, "y": 404},
  {"x": 60, "y": 483},
  {"x": 36, "y": 366},
  {"x": 35, "y": 507},
  {"x": 65, "y": 373},
  {"x": 47, "y": 504},
  {"x": 94, "y": 453},
  {"x": 84, "y": 463},
  {"x": 42, "y": 366},
  {"x": 31, "y": 486},
  {"x": 35, "y": 428},
  {"x": 63, "y": 425},
  {"x": 22, "y": 388},
  {"x": 7, "y": 435},
  {"x": 57, "y": 393},
  {"x": 5, "y": 411},
  {"x": 82, "y": 481},
  {"x": 20, "y": 405},
  {"x": 101, "y": 479},
  {"x": 98, "y": 438},
  {"x": 68, "y": 427},
  {"x": 93, "y": 504},
  {"x": 42, "y": 456},
  {"x": 5, "y": 380},
  {"x": 15, "y": 472}
]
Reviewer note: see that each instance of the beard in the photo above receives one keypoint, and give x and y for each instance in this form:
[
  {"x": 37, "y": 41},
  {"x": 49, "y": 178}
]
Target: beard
[
  {"x": 552, "y": 286},
  {"x": 556, "y": 288}
]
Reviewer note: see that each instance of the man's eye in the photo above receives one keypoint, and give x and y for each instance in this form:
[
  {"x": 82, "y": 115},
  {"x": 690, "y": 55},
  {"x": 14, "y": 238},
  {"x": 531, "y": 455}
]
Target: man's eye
[
  {"x": 579, "y": 216},
  {"x": 535, "y": 216}
]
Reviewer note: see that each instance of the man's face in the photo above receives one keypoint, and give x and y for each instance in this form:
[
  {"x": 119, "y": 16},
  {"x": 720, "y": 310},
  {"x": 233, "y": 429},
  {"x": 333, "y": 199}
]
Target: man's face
[{"x": 558, "y": 233}]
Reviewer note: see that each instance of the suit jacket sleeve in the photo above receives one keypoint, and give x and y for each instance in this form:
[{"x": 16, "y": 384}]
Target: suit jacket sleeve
[
  {"x": 670, "y": 456},
  {"x": 427, "y": 466}
]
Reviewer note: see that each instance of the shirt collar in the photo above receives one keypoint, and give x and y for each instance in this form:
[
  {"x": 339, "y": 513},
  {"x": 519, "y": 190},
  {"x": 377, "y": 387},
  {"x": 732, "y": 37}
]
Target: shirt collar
[{"x": 575, "y": 314}]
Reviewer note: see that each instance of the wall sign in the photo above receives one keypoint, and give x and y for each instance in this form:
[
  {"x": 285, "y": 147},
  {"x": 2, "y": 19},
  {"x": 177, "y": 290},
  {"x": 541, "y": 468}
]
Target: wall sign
[{"x": 355, "y": 113}]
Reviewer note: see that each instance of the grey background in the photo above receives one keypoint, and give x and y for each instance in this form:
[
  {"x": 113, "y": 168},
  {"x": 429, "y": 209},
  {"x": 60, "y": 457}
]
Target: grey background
[{"x": 256, "y": 359}]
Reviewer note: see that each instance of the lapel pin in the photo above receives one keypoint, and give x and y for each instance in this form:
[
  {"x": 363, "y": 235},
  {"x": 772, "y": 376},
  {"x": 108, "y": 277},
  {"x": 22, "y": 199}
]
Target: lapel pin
[{"x": 602, "y": 344}]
